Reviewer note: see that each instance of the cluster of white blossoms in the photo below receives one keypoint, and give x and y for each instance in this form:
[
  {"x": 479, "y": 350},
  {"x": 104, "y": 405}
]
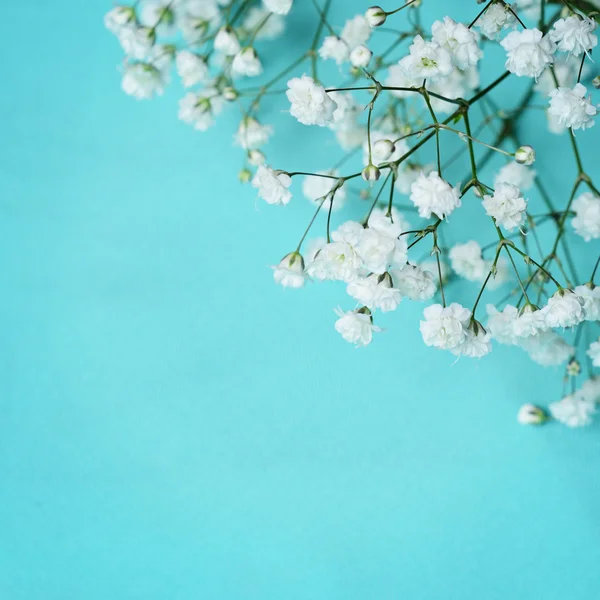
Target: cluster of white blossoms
[{"x": 417, "y": 132}]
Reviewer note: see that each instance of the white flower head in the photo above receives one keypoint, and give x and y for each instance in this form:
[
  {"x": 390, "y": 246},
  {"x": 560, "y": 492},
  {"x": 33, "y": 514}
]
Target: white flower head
[
  {"x": 226, "y": 42},
  {"x": 477, "y": 342},
  {"x": 414, "y": 282},
  {"x": 573, "y": 411},
  {"x": 432, "y": 195},
  {"x": 547, "y": 348},
  {"x": 459, "y": 40},
  {"x": 191, "y": 68},
  {"x": 427, "y": 60},
  {"x": 336, "y": 261},
  {"x": 279, "y": 7},
  {"x": 529, "y": 52},
  {"x": 506, "y": 206},
  {"x": 272, "y": 185},
  {"x": 564, "y": 309},
  {"x": 246, "y": 63},
  {"x": 497, "y": 17},
  {"x": 310, "y": 103},
  {"x": 375, "y": 292},
  {"x": 587, "y": 216},
  {"x": 360, "y": 56},
  {"x": 251, "y": 134},
  {"x": 517, "y": 174},
  {"x": 467, "y": 262},
  {"x": 118, "y": 18},
  {"x": 290, "y": 271},
  {"x": 574, "y": 35},
  {"x": 137, "y": 42},
  {"x": 594, "y": 353},
  {"x": 356, "y": 327},
  {"x": 572, "y": 108},
  {"x": 501, "y": 324},
  {"x": 445, "y": 327},
  {"x": 142, "y": 80},
  {"x": 589, "y": 294},
  {"x": 199, "y": 109}
]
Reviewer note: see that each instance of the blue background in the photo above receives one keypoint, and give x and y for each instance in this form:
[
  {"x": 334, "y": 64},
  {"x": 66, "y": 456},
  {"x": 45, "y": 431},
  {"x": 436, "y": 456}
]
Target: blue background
[{"x": 173, "y": 425}]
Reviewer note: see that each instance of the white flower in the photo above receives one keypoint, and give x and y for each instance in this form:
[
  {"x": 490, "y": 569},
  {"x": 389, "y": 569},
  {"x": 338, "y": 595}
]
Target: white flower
[
  {"x": 590, "y": 390},
  {"x": 270, "y": 28},
  {"x": 589, "y": 294},
  {"x": 199, "y": 109},
  {"x": 496, "y": 18},
  {"x": 564, "y": 309},
  {"x": 310, "y": 103},
  {"x": 335, "y": 261},
  {"x": 427, "y": 60},
  {"x": 573, "y": 411},
  {"x": 246, "y": 63},
  {"x": 466, "y": 261},
  {"x": 356, "y": 31},
  {"x": 279, "y": 7},
  {"x": 137, "y": 42},
  {"x": 530, "y": 322},
  {"x": 376, "y": 250},
  {"x": 360, "y": 56},
  {"x": 409, "y": 174},
  {"x": 375, "y": 291},
  {"x": 432, "y": 195},
  {"x": 316, "y": 188},
  {"x": 272, "y": 185},
  {"x": 355, "y": 327},
  {"x": 571, "y": 107},
  {"x": 251, "y": 134},
  {"x": 517, "y": 174},
  {"x": 506, "y": 206},
  {"x": 547, "y": 348},
  {"x": 574, "y": 34},
  {"x": 501, "y": 325},
  {"x": 334, "y": 48},
  {"x": 529, "y": 52},
  {"x": 290, "y": 271},
  {"x": 159, "y": 15},
  {"x": 118, "y": 18},
  {"x": 531, "y": 415},
  {"x": 349, "y": 232},
  {"x": 525, "y": 155},
  {"x": 400, "y": 76},
  {"x": 380, "y": 149},
  {"x": 594, "y": 353},
  {"x": 142, "y": 80},
  {"x": 226, "y": 42},
  {"x": 587, "y": 216},
  {"x": 459, "y": 40},
  {"x": 191, "y": 68},
  {"x": 477, "y": 343},
  {"x": 445, "y": 328},
  {"x": 414, "y": 282}
]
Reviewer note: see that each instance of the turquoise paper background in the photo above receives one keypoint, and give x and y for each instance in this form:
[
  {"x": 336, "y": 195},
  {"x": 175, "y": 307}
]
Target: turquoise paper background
[{"x": 173, "y": 425}]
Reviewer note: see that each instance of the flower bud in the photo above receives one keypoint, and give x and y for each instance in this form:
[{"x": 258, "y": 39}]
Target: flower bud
[
  {"x": 596, "y": 82},
  {"x": 383, "y": 149},
  {"x": 230, "y": 94},
  {"x": 360, "y": 56},
  {"x": 573, "y": 368},
  {"x": 245, "y": 175},
  {"x": 525, "y": 155},
  {"x": 375, "y": 16},
  {"x": 256, "y": 158},
  {"x": 371, "y": 173},
  {"x": 531, "y": 415},
  {"x": 290, "y": 271}
]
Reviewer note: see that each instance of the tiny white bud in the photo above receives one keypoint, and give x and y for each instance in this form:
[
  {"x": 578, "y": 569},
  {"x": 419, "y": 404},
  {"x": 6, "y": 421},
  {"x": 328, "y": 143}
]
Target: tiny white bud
[
  {"x": 245, "y": 175},
  {"x": 360, "y": 56},
  {"x": 230, "y": 94},
  {"x": 525, "y": 155},
  {"x": 383, "y": 149},
  {"x": 371, "y": 173},
  {"x": 596, "y": 82},
  {"x": 256, "y": 158},
  {"x": 375, "y": 16},
  {"x": 531, "y": 415}
]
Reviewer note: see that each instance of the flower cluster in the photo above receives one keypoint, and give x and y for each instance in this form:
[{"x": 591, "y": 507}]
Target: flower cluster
[{"x": 416, "y": 157}]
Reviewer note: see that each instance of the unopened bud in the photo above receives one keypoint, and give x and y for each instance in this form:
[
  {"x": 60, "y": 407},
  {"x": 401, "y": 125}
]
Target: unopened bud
[
  {"x": 245, "y": 175},
  {"x": 371, "y": 173},
  {"x": 230, "y": 94},
  {"x": 360, "y": 56},
  {"x": 596, "y": 82},
  {"x": 256, "y": 158},
  {"x": 375, "y": 16},
  {"x": 531, "y": 415},
  {"x": 525, "y": 155}
]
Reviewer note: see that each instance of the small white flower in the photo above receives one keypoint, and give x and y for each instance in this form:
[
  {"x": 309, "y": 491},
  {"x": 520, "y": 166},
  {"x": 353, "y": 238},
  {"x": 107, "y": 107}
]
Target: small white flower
[
  {"x": 573, "y": 411},
  {"x": 501, "y": 324},
  {"x": 336, "y": 261},
  {"x": 251, "y": 134},
  {"x": 587, "y": 216},
  {"x": 191, "y": 68},
  {"x": 316, "y": 188},
  {"x": 530, "y": 322},
  {"x": 506, "y": 206},
  {"x": 290, "y": 271},
  {"x": 445, "y": 327},
  {"x": 531, "y": 415},
  {"x": 334, "y": 48},
  {"x": 118, "y": 18},
  {"x": 272, "y": 185},
  {"x": 517, "y": 174},
  {"x": 360, "y": 56},
  {"x": 376, "y": 250},
  {"x": 571, "y": 107},
  {"x": 529, "y": 52},
  {"x": 137, "y": 42},
  {"x": 564, "y": 309},
  {"x": 574, "y": 35},
  {"x": 414, "y": 282},
  {"x": 477, "y": 342},
  {"x": 496, "y": 18},
  {"x": 142, "y": 80},
  {"x": 594, "y": 353},
  {"x": 159, "y": 15},
  {"x": 356, "y": 31},
  {"x": 199, "y": 109},
  {"x": 246, "y": 63},
  {"x": 256, "y": 22},
  {"x": 432, "y": 195},
  {"x": 375, "y": 291},
  {"x": 547, "y": 348},
  {"x": 355, "y": 327},
  {"x": 525, "y": 155},
  {"x": 226, "y": 42},
  {"x": 310, "y": 103},
  {"x": 467, "y": 262},
  {"x": 427, "y": 60},
  {"x": 459, "y": 40},
  {"x": 589, "y": 294},
  {"x": 279, "y": 7}
]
